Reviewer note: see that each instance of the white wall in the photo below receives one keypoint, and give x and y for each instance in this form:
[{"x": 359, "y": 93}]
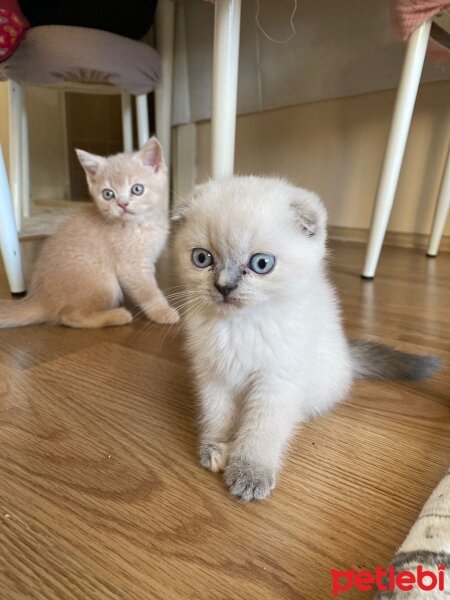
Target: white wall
[
  {"x": 336, "y": 148},
  {"x": 46, "y": 137},
  {"x": 48, "y": 164},
  {"x": 340, "y": 48}
]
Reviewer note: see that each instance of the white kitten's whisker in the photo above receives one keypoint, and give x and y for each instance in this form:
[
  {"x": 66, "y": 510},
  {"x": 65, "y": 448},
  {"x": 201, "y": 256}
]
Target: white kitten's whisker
[
  {"x": 151, "y": 324},
  {"x": 186, "y": 303},
  {"x": 177, "y": 305},
  {"x": 192, "y": 304},
  {"x": 147, "y": 327},
  {"x": 147, "y": 309},
  {"x": 178, "y": 294},
  {"x": 161, "y": 301},
  {"x": 194, "y": 310},
  {"x": 179, "y": 196},
  {"x": 174, "y": 287},
  {"x": 171, "y": 326}
]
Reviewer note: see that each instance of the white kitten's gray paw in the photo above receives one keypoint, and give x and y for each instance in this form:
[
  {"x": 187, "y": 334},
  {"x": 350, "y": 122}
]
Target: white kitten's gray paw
[
  {"x": 213, "y": 455},
  {"x": 249, "y": 481}
]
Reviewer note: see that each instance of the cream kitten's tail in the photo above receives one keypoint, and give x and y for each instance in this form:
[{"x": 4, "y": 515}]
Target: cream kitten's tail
[
  {"x": 15, "y": 313},
  {"x": 377, "y": 361}
]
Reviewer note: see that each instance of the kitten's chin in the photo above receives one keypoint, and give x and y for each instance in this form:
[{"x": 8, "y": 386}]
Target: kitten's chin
[
  {"x": 132, "y": 218},
  {"x": 227, "y": 305}
]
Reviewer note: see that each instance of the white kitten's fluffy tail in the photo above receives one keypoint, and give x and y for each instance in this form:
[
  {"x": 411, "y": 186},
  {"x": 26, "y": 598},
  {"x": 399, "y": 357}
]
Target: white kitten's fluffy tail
[
  {"x": 377, "y": 361},
  {"x": 16, "y": 313}
]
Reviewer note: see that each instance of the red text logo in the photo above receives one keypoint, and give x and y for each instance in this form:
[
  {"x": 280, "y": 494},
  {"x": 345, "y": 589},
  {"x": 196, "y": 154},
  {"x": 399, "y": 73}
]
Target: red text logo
[{"x": 387, "y": 580}]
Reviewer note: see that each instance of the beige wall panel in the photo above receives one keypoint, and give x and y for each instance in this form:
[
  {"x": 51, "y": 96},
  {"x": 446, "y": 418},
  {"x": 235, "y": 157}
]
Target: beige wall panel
[{"x": 336, "y": 148}]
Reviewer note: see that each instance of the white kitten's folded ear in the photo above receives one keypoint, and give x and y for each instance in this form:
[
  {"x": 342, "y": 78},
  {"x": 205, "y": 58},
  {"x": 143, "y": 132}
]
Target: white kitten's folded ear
[
  {"x": 89, "y": 162},
  {"x": 309, "y": 213},
  {"x": 151, "y": 154}
]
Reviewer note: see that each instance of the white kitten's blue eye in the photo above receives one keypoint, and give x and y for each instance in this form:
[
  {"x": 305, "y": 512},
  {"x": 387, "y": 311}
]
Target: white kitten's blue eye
[
  {"x": 137, "y": 189},
  {"x": 262, "y": 263},
  {"x": 108, "y": 194},
  {"x": 202, "y": 258}
]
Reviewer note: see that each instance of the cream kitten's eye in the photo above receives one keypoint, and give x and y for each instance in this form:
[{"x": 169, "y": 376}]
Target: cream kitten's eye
[
  {"x": 202, "y": 258},
  {"x": 108, "y": 194},
  {"x": 262, "y": 263},
  {"x": 137, "y": 189}
]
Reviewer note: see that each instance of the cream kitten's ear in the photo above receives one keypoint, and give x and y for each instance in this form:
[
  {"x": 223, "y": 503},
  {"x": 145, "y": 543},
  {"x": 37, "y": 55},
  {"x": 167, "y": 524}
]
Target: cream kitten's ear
[
  {"x": 151, "y": 154},
  {"x": 89, "y": 162},
  {"x": 310, "y": 213}
]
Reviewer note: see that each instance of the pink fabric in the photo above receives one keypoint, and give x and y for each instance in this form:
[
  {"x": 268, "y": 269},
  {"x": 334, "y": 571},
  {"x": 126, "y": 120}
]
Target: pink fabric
[
  {"x": 13, "y": 26},
  {"x": 408, "y": 15}
]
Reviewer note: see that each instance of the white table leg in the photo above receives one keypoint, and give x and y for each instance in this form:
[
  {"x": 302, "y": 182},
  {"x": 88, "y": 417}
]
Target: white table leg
[
  {"x": 224, "y": 88},
  {"x": 127, "y": 123},
  {"x": 165, "y": 28},
  {"x": 404, "y": 106},
  {"x": 143, "y": 130},
  {"x": 25, "y": 156},
  {"x": 15, "y": 144},
  {"x": 9, "y": 240},
  {"x": 441, "y": 212}
]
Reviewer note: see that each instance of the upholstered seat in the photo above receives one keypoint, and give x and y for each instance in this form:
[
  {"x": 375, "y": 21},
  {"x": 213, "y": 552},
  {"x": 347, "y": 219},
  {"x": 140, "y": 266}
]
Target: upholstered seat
[{"x": 52, "y": 54}]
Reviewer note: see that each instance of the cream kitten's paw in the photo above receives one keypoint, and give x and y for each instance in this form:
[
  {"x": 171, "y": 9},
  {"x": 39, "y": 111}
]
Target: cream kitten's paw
[
  {"x": 249, "y": 481},
  {"x": 164, "y": 316},
  {"x": 213, "y": 455},
  {"x": 120, "y": 316}
]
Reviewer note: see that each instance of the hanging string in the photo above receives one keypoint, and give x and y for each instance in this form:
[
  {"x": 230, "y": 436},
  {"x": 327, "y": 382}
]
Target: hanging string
[{"x": 293, "y": 32}]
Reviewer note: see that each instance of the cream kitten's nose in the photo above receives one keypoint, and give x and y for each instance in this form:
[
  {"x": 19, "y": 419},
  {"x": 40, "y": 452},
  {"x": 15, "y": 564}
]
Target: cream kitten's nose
[{"x": 123, "y": 203}]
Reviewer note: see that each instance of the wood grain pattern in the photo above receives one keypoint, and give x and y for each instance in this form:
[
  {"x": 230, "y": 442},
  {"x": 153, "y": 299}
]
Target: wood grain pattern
[{"x": 101, "y": 496}]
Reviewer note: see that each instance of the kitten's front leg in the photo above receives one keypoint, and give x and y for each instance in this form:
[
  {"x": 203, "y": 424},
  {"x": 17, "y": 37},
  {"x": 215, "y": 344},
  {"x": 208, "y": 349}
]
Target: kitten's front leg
[
  {"x": 266, "y": 424},
  {"x": 158, "y": 309},
  {"x": 144, "y": 290},
  {"x": 216, "y": 423}
]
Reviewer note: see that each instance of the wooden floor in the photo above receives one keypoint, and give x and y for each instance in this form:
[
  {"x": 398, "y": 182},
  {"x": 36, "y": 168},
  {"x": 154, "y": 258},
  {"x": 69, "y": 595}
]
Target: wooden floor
[{"x": 101, "y": 496}]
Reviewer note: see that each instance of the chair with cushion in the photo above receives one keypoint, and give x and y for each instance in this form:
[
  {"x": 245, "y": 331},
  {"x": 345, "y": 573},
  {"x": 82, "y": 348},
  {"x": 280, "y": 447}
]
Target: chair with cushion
[
  {"x": 82, "y": 60},
  {"x": 62, "y": 49}
]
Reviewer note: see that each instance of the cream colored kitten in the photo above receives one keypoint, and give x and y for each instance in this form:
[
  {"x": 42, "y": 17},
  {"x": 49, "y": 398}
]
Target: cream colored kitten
[
  {"x": 265, "y": 333},
  {"x": 109, "y": 249}
]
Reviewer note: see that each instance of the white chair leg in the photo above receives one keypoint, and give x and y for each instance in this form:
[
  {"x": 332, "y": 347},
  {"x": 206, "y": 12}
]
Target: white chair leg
[
  {"x": 143, "y": 130},
  {"x": 65, "y": 144},
  {"x": 15, "y": 143},
  {"x": 441, "y": 212},
  {"x": 25, "y": 157},
  {"x": 127, "y": 123},
  {"x": 404, "y": 106},
  {"x": 9, "y": 240},
  {"x": 164, "y": 29},
  {"x": 224, "y": 90}
]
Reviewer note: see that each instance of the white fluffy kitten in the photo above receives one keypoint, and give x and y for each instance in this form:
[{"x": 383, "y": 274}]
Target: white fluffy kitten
[{"x": 265, "y": 334}]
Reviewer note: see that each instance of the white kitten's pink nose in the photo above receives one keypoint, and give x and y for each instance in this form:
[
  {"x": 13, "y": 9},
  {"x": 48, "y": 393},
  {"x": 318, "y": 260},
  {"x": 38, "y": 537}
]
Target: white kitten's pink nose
[{"x": 123, "y": 204}]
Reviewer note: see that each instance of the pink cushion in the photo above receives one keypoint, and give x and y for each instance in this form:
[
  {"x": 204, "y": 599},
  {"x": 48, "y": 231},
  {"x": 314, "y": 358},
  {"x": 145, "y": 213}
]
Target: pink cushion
[
  {"x": 408, "y": 15},
  {"x": 13, "y": 26}
]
